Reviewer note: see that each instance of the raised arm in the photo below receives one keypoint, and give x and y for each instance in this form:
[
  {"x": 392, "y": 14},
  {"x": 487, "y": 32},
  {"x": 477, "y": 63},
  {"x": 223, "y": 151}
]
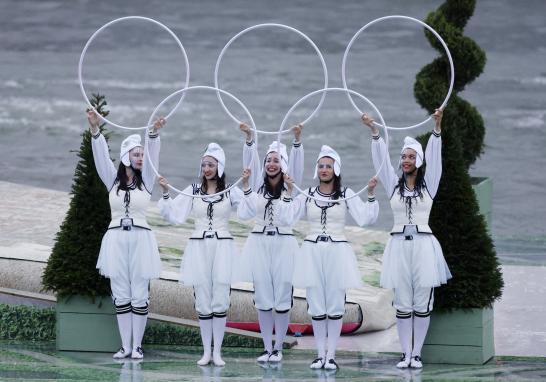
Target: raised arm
[
  {"x": 251, "y": 159},
  {"x": 291, "y": 209},
  {"x": 176, "y": 210},
  {"x": 244, "y": 200},
  {"x": 433, "y": 156},
  {"x": 364, "y": 213},
  {"x": 387, "y": 174},
  {"x": 296, "y": 158},
  {"x": 154, "y": 145},
  {"x": 101, "y": 156}
]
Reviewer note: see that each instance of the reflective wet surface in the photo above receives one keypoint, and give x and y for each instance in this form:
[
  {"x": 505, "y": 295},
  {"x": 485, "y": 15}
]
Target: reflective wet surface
[{"x": 39, "y": 362}]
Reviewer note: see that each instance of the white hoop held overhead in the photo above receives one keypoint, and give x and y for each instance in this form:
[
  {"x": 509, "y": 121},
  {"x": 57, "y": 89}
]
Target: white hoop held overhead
[
  {"x": 183, "y": 91},
  {"x": 267, "y": 25},
  {"x": 348, "y": 91},
  {"x": 80, "y": 66},
  {"x": 448, "y": 53}
]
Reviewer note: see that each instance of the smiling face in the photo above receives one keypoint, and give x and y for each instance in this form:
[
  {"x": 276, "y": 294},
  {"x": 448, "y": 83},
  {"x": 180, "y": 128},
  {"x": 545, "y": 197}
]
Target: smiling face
[
  {"x": 136, "y": 157},
  {"x": 209, "y": 167},
  {"x": 272, "y": 164},
  {"x": 325, "y": 169},
  {"x": 408, "y": 160}
]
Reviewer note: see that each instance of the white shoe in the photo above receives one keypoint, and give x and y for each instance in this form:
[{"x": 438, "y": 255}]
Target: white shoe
[
  {"x": 137, "y": 353},
  {"x": 122, "y": 353},
  {"x": 404, "y": 362},
  {"x": 276, "y": 356},
  {"x": 318, "y": 363},
  {"x": 264, "y": 357},
  {"x": 217, "y": 359},
  {"x": 331, "y": 365},
  {"x": 205, "y": 360},
  {"x": 416, "y": 362}
]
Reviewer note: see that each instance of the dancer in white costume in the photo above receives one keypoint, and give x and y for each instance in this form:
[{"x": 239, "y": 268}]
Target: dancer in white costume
[
  {"x": 326, "y": 264},
  {"x": 413, "y": 262},
  {"x": 129, "y": 254},
  {"x": 270, "y": 248},
  {"x": 208, "y": 262}
]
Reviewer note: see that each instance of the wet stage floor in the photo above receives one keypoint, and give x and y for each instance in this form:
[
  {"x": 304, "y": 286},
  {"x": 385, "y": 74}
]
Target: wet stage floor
[{"x": 41, "y": 362}]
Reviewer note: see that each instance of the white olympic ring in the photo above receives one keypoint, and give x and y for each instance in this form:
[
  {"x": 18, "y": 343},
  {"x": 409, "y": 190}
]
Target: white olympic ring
[
  {"x": 448, "y": 53},
  {"x": 80, "y": 65},
  {"x": 216, "y": 69},
  {"x": 183, "y": 91},
  {"x": 345, "y": 91}
]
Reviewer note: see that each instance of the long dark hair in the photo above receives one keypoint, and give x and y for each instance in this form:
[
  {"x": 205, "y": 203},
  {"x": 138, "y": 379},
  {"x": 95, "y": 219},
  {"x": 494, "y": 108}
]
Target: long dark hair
[
  {"x": 276, "y": 190},
  {"x": 122, "y": 178},
  {"x": 419, "y": 184},
  {"x": 337, "y": 187},
  {"x": 220, "y": 183}
]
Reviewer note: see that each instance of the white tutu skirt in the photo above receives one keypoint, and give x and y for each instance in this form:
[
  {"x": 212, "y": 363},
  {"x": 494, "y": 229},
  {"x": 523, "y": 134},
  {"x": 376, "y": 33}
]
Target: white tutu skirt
[
  {"x": 424, "y": 252},
  {"x": 137, "y": 247},
  {"x": 207, "y": 260},
  {"x": 334, "y": 262},
  {"x": 264, "y": 255}
]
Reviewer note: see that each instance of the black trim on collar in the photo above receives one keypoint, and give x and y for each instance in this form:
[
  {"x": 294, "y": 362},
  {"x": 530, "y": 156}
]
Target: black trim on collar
[{"x": 322, "y": 193}]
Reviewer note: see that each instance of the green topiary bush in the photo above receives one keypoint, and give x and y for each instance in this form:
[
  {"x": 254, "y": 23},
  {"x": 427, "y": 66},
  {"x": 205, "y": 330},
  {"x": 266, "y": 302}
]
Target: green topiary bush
[
  {"x": 71, "y": 268},
  {"x": 455, "y": 218}
]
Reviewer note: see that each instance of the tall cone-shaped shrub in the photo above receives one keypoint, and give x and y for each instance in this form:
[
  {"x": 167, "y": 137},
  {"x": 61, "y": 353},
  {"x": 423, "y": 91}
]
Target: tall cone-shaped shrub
[
  {"x": 455, "y": 218},
  {"x": 71, "y": 268}
]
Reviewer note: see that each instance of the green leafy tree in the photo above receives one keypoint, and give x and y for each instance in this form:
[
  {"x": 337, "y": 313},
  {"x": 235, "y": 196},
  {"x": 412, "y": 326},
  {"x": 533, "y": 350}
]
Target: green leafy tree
[
  {"x": 455, "y": 218},
  {"x": 71, "y": 268}
]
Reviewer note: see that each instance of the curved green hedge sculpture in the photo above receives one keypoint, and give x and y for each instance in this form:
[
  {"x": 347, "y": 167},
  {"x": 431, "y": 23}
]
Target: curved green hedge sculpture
[{"x": 455, "y": 218}]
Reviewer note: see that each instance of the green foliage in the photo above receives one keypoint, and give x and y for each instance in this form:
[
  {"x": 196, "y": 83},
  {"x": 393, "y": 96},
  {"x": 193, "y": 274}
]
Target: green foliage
[
  {"x": 20, "y": 322},
  {"x": 158, "y": 333},
  {"x": 71, "y": 269},
  {"x": 29, "y": 323},
  {"x": 469, "y": 60},
  {"x": 455, "y": 218}
]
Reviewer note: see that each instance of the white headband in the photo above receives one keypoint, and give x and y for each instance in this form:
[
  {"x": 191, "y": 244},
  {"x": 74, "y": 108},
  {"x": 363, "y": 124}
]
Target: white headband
[
  {"x": 327, "y": 151},
  {"x": 127, "y": 145}
]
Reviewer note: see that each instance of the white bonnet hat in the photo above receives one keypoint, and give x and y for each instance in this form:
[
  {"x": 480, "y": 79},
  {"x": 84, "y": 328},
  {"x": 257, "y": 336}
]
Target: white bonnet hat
[
  {"x": 275, "y": 147},
  {"x": 411, "y": 143},
  {"x": 327, "y": 151},
  {"x": 127, "y": 145},
  {"x": 215, "y": 150}
]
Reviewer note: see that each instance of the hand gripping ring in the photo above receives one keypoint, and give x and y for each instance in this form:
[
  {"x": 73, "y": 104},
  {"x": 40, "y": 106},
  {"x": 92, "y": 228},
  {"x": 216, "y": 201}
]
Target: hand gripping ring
[
  {"x": 183, "y": 91},
  {"x": 267, "y": 25},
  {"x": 448, "y": 53},
  {"x": 349, "y": 91},
  {"x": 80, "y": 67}
]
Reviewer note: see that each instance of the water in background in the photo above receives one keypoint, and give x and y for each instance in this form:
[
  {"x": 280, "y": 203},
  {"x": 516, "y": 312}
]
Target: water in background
[{"x": 136, "y": 65}]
